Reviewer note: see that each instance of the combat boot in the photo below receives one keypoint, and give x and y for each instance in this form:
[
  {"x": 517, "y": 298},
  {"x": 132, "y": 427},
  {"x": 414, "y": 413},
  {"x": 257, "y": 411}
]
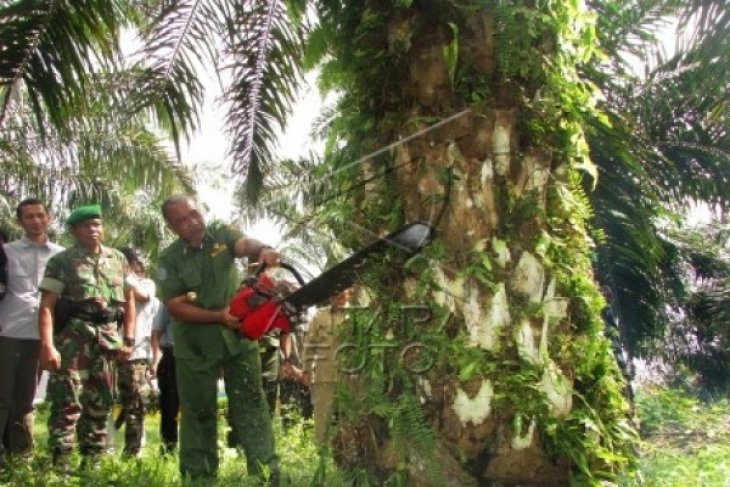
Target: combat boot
[
  {"x": 4, "y": 468},
  {"x": 61, "y": 464},
  {"x": 91, "y": 462}
]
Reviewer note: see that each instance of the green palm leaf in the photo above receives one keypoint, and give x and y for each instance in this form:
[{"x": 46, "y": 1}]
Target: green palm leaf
[
  {"x": 665, "y": 147},
  {"x": 265, "y": 57},
  {"x": 54, "y": 47}
]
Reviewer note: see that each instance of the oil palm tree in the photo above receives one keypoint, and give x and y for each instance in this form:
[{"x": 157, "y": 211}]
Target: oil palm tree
[
  {"x": 667, "y": 148},
  {"x": 495, "y": 175},
  {"x": 75, "y": 121},
  {"x": 101, "y": 158}
]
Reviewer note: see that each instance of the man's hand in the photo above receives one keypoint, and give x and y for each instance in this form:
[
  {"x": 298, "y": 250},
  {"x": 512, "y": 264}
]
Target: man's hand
[
  {"x": 153, "y": 367},
  {"x": 50, "y": 358},
  {"x": 269, "y": 256},
  {"x": 292, "y": 372},
  {"x": 228, "y": 320},
  {"x": 124, "y": 353}
]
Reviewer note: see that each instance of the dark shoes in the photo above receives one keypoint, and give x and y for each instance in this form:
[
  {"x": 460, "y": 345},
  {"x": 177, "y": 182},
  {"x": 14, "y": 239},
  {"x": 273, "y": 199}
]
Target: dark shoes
[
  {"x": 62, "y": 464},
  {"x": 90, "y": 463}
]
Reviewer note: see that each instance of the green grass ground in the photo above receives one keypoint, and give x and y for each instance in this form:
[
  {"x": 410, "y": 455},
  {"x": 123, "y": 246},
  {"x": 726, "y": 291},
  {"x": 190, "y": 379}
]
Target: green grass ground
[
  {"x": 299, "y": 459},
  {"x": 685, "y": 442}
]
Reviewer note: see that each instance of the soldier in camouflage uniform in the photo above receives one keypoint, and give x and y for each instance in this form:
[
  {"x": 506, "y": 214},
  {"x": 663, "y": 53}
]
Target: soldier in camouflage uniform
[{"x": 81, "y": 355}]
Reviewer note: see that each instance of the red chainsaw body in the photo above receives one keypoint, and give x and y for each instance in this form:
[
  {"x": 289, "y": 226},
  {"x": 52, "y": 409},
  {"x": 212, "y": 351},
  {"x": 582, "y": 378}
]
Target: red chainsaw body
[{"x": 257, "y": 309}]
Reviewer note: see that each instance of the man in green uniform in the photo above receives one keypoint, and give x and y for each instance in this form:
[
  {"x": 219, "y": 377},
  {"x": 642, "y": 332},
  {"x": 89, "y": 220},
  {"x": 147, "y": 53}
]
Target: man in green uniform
[
  {"x": 197, "y": 278},
  {"x": 91, "y": 279}
]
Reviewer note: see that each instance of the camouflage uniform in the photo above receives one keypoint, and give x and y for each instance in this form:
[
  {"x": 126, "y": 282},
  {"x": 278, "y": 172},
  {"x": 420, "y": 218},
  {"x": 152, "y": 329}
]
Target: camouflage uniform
[
  {"x": 269, "y": 352},
  {"x": 133, "y": 374},
  {"x": 294, "y": 397},
  {"x": 81, "y": 390},
  {"x": 134, "y": 388}
]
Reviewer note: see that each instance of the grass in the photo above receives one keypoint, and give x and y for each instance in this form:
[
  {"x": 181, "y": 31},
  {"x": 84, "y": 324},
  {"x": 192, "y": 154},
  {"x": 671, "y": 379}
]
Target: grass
[
  {"x": 685, "y": 442},
  {"x": 299, "y": 460}
]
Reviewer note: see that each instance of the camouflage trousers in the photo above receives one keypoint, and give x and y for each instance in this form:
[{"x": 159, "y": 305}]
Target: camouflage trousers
[
  {"x": 134, "y": 387},
  {"x": 80, "y": 394}
]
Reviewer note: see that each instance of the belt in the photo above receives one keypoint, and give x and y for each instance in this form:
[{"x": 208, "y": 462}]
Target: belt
[{"x": 104, "y": 317}]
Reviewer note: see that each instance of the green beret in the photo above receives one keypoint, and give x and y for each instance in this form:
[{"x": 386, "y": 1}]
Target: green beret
[{"x": 83, "y": 213}]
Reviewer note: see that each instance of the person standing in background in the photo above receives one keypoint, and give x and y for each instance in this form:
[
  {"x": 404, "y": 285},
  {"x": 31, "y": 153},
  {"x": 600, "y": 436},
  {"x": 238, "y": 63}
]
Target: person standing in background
[
  {"x": 320, "y": 362},
  {"x": 163, "y": 367},
  {"x": 90, "y": 279},
  {"x": 134, "y": 374},
  {"x": 19, "y": 344}
]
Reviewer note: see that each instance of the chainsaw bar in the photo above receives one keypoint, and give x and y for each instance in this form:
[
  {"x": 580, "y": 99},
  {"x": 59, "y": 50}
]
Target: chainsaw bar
[{"x": 409, "y": 239}]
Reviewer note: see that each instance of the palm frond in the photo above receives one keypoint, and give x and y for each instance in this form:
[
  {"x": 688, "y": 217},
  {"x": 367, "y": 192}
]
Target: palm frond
[
  {"x": 181, "y": 39},
  {"x": 54, "y": 47},
  {"x": 665, "y": 146},
  {"x": 265, "y": 50},
  {"x": 626, "y": 29},
  {"x": 75, "y": 163}
]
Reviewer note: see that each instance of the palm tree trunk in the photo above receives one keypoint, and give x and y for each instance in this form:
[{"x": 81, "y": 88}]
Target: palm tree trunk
[{"x": 520, "y": 387}]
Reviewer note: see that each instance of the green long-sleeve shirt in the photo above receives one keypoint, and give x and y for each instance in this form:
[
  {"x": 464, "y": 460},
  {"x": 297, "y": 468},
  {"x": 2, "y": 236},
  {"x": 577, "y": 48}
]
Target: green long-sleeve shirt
[{"x": 210, "y": 272}]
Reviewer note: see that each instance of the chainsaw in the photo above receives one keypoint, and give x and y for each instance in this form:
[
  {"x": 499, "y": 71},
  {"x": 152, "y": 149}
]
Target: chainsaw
[{"x": 263, "y": 305}]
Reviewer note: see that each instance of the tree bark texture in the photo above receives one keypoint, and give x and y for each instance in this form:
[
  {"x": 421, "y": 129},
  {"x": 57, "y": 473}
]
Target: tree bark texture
[{"x": 518, "y": 355}]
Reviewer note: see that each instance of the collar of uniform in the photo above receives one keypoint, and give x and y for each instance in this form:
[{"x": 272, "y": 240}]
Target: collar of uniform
[
  {"x": 26, "y": 242},
  {"x": 103, "y": 251},
  {"x": 206, "y": 237}
]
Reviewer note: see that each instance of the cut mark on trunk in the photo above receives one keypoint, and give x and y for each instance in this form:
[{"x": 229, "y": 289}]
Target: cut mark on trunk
[
  {"x": 522, "y": 442},
  {"x": 558, "y": 390}
]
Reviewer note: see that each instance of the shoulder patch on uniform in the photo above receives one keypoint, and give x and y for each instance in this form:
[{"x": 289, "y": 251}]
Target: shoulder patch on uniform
[{"x": 218, "y": 248}]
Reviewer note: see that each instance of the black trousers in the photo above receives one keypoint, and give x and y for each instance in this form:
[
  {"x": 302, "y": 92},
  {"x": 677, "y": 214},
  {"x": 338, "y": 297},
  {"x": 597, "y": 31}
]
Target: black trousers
[
  {"x": 169, "y": 399},
  {"x": 18, "y": 380}
]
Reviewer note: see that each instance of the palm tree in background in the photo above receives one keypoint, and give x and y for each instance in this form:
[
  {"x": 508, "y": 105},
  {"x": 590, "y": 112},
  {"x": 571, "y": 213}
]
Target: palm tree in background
[
  {"x": 668, "y": 148},
  {"x": 115, "y": 161},
  {"x": 75, "y": 120}
]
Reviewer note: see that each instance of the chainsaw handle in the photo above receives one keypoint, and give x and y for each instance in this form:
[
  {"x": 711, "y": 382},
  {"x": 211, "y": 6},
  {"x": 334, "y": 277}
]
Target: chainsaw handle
[{"x": 283, "y": 265}]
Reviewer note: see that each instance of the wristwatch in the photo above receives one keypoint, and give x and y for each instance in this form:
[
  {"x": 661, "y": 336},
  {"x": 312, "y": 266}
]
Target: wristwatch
[{"x": 128, "y": 341}]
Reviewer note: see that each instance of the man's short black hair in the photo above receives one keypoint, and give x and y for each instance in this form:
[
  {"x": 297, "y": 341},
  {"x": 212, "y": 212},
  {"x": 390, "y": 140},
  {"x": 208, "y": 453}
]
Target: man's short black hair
[
  {"x": 27, "y": 202},
  {"x": 173, "y": 200}
]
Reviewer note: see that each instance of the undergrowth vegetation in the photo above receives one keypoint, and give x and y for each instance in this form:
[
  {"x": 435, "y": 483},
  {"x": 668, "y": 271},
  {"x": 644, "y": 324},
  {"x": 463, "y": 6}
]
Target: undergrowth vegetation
[{"x": 685, "y": 442}]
